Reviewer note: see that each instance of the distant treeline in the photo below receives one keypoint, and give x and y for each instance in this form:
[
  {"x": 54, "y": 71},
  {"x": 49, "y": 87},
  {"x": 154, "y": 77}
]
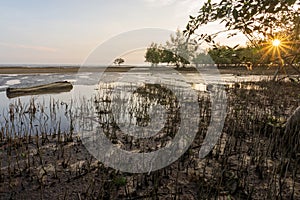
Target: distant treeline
[{"x": 180, "y": 51}]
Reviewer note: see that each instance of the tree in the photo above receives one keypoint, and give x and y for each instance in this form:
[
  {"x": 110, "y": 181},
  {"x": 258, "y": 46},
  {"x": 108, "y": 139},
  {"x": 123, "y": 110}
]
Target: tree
[
  {"x": 221, "y": 54},
  {"x": 182, "y": 49},
  {"x": 267, "y": 20},
  {"x": 236, "y": 55},
  {"x": 177, "y": 51},
  {"x": 202, "y": 58},
  {"x": 167, "y": 56},
  {"x": 119, "y": 61},
  {"x": 153, "y": 54},
  {"x": 253, "y": 17},
  {"x": 250, "y": 54}
]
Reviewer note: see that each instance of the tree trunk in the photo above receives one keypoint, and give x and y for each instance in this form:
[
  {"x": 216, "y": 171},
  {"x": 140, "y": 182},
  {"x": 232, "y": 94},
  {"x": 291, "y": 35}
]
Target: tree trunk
[
  {"x": 291, "y": 134},
  {"x": 293, "y": 122},
  {"x": 276, "y": 73}
]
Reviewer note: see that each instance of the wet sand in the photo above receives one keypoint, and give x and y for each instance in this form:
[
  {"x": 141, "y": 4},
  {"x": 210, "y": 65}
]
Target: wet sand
[
  {"x": 60, "y": 70},
  {"x": 37, "y": 70}
]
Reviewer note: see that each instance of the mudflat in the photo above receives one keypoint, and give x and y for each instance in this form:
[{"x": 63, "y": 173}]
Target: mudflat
[{"x": 61, "y": 70}]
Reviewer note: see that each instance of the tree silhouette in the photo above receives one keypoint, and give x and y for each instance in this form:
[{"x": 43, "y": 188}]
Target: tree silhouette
[{"x": 119, "y": 61}]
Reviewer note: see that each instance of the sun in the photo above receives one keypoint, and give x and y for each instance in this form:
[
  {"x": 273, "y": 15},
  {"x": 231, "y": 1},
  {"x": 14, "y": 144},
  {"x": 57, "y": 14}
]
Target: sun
[
  {"x": 276, "y": 42},
  {"x": 276, "y": 47}
]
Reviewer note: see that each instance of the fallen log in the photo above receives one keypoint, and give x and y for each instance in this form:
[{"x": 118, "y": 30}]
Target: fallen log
[{"x": 51, "y": 88}]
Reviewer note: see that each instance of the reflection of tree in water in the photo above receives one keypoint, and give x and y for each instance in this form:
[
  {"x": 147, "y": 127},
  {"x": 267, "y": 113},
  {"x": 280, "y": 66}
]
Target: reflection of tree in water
[
  {"x": 149, "y": 95},
  {"x": 137, "y": 109}
]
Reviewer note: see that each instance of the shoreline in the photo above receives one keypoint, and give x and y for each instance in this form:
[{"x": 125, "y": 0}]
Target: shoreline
[
  {"x": 37, "y": 70},
  {"x": 60, "y": 70}
]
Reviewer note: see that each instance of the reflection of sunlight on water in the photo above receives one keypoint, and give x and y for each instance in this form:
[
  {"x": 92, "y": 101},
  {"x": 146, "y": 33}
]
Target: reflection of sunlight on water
[
  {"x": 2, "y": 87},
  {"x": 84, "y": 76},
  {"x": 227, "y": 78},
  {"x": 12, "y": 75},
  {"x": 71, "y": 80},
  {"x": 246, "y": 78},
  {"x": 245, "y": 86},
  {"x": 13, "y": 82},
  {"x": 199, "y": 87},
  {"x": 25, "y": 77}
]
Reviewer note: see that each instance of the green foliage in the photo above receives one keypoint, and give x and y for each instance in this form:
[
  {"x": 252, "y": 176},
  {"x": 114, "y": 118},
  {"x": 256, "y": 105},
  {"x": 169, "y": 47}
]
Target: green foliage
[
  {"x": 250, "y": 54},
  {"x": 119, "y": 61},
  {"x": 221, "y": 55},
  {"x": 153, "y": 54},
  {"x": 167, "y": 56},
  {"x": 178, "y": 51},
  {"x": 227, "y": 55},
  {"x": 182, "y": 49},
  {"x": 202, "y": 58},
  {"x": 120, "y": 181},
  {"x": 257, "y": 20},
  {"x": 252, "y": 17}
]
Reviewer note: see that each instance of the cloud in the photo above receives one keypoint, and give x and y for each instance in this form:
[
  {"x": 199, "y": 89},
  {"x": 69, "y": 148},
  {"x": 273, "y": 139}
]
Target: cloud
[
  {"x": 160, "y": 2},
  {"x": 188, "y": 7},
  {"x": 32, "y": 47},
  {"x": 182, "y": 7}
]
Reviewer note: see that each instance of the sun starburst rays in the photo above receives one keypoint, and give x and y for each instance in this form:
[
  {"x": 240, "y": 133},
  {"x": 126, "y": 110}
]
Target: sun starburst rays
[{"x": 276, "y": 47}]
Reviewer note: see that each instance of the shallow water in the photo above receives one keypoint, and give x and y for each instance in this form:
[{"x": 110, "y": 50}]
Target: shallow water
[{"x": 50, "y": 112}]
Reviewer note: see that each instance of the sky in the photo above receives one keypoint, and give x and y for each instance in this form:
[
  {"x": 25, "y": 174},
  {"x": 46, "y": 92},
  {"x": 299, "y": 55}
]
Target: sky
[{"x": 67, "y": 31}]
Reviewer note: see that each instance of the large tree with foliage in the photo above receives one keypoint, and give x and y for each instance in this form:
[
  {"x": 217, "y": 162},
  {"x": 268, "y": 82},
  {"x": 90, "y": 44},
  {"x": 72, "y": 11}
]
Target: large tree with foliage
[
  {"x": 181, "y": 48},
  {"x": 258, "y": 20},
  {"x": 167, "y": 56},
  {"x": 252, "y": 17},
  {"x": 153, "y": 54},
  {"x": 177, "y": 51}
]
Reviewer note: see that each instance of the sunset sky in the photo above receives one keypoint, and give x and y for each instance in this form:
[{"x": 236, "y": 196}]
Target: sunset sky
[{"x": 66, "y": 31}]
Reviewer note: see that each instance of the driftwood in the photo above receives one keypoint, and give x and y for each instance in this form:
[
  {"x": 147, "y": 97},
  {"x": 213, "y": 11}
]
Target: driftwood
[{"x": 57, "y": 87}]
